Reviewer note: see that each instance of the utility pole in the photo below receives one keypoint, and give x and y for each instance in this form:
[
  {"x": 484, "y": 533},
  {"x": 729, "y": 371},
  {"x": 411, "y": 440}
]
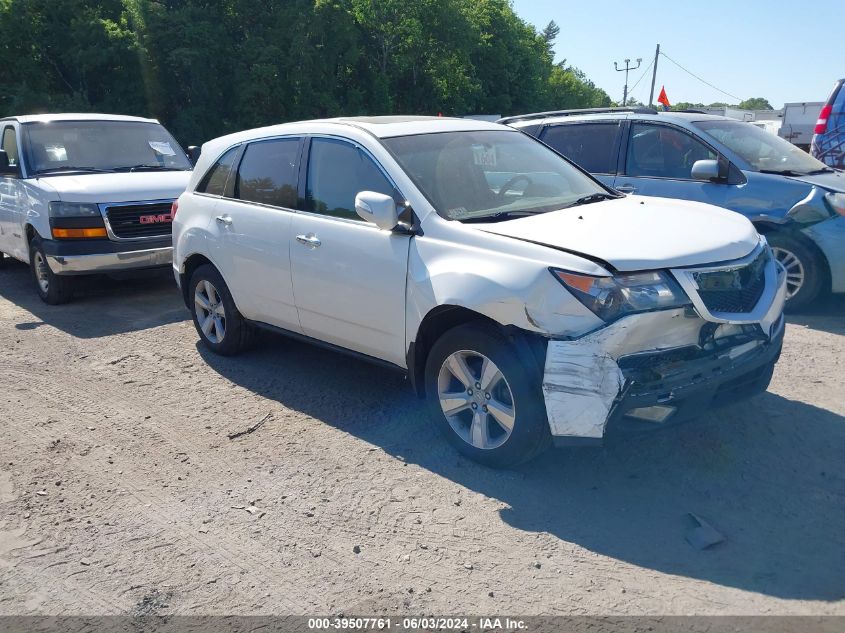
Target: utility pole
[
  {"x": 653, "y": 78},
  {"x": 626, "y": 69}
]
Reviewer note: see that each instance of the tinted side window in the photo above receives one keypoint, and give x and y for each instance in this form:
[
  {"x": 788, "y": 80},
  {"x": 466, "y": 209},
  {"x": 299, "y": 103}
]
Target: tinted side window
[
  {"x": 10, "y": 145},
  {"x": 214, "y": 181},
  {"x": 337, "y": 172},
  {"x": 268, "y": 173},
  {"x": 590, "y": 145},
  {"x": 659, "y": 151}
]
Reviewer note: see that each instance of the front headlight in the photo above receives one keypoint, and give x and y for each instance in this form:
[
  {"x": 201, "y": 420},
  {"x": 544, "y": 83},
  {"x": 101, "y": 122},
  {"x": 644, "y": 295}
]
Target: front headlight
[
  {"x": 611, "y": 298},
  {"x": 73, "y": 210},
  {"x": 836, "y": 201}
]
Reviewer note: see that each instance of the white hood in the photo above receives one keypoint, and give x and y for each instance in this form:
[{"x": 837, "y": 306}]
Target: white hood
[
  {"x": 118, "y": 187},
  {"x": 639, "y": 233}
]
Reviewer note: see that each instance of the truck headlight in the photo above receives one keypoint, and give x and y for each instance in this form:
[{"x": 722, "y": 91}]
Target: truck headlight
[
  {"x": 836, "y": 201},
  {"x": 73, "y": 210},
  {"x": 611, "y": 298}
]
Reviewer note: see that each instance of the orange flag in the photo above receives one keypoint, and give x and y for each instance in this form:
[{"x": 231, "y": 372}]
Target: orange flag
[{"x": 663, "y": 98}]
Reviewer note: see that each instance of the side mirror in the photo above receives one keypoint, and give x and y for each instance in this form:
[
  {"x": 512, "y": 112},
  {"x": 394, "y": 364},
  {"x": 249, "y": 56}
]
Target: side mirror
[
  {"x": 5, "y": 168},
  {"x": 706, "y": 170},
  {"x": 194, "y": 153},
  {"x": 378, "y": 209}
]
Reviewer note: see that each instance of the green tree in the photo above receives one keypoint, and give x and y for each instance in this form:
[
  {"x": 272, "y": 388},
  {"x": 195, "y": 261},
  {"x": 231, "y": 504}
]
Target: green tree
[{"x": 755, "y": 103}]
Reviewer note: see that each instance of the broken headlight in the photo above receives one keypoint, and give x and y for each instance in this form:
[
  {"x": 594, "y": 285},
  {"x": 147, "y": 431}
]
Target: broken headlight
[{"x": 611, "y": 298}]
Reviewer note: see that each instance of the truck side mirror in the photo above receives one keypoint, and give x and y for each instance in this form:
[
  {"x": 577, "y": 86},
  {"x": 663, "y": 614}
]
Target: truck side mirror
[{"x": 194, "y": 153}]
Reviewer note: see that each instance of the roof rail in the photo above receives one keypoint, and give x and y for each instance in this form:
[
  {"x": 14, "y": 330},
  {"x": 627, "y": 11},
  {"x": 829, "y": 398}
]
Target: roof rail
[
  {"x": 693, "y": 111},
  {"x": 542, "y": 115}
]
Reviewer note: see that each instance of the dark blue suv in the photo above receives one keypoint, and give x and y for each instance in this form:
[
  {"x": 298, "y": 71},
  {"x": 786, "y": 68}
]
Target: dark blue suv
[
  {"x": 797, "y": 202},
  {"x": 829, "y": 138}
]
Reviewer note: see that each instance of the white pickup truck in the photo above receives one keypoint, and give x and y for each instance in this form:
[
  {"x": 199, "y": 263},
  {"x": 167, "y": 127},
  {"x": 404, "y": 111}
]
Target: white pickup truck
[
  {"x": 526, "y": 301},
  {"x": 87, "y": 193}
]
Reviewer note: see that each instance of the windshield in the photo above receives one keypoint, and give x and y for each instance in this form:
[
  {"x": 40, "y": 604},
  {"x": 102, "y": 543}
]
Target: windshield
[
  {"x": 473, "y": 175},
  {"x": 764, "y": 151},
  {"x": 67, "y": 146}
]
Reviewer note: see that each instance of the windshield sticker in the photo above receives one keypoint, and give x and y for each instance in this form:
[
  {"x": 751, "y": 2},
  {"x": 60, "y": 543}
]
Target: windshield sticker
[
  {"x": 484, "y": 156},
  {"x": 162, "y": 147},
  {"x": 56, "y": 153}
]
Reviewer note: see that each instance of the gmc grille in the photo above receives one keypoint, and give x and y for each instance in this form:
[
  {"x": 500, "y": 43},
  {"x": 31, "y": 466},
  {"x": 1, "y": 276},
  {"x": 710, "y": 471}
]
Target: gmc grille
[
  {"x": 733, "y": 290},
  {"x": 131, "y": 221}
]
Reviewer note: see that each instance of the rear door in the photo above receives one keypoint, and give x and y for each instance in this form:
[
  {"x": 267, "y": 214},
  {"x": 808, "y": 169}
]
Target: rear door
[
  {"x": 348, "y": 275},
  {"x": 658, "y": 161},
  {"x": 593, "y": 145},
  {"x": 253, "y": 223}
]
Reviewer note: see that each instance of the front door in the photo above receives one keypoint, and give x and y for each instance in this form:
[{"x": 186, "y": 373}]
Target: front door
[
  {"x": 348, "y": 275},
  {"x": 659, "y": 160}
]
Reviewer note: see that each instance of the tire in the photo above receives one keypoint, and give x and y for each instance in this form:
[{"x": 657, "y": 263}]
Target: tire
[
  {"x": 227, "y": 333},
  {"x": 52, "y": 288},
  {"x": 470, "y": 429},
  {"x": 800, "y": 259}
]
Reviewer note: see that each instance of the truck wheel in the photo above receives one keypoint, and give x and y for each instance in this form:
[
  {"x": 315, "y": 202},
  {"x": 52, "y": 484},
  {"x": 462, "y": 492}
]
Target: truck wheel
[
  {"x": 52, "y": 288},
  {"x": 484, "y": 398},
  {"x": 221, "y": 327},
  {"x": 804, "y": 270}
]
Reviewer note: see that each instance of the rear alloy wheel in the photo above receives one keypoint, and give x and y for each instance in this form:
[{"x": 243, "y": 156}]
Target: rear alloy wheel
[
  {"x": 484, "y": 397},
  {"x": 804, "y": 270},
  {"x": 221, "y": 327},
  {"x": 52, "y": 288}
]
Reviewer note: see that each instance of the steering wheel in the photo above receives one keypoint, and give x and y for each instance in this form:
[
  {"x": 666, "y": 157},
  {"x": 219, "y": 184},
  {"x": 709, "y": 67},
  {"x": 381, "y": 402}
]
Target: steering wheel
[{"x": 510, "y": 183}]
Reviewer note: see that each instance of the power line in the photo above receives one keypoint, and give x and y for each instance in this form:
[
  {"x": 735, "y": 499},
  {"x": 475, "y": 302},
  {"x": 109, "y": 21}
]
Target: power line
[{"x": 699, "y": 78}]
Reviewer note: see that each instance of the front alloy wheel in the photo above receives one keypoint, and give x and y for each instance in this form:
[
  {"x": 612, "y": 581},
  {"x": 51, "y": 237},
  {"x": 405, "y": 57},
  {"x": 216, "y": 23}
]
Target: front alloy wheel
[
  {"x": 794, "y": 270},
  {"x": 476, "y": 399},
  {"x": 485, "y": 396}
]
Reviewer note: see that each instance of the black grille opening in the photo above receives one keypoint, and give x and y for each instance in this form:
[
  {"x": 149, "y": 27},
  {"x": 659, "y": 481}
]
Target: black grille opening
[
  {"x": 735, "y": 290},
  {"x": 140, "y": 220}
]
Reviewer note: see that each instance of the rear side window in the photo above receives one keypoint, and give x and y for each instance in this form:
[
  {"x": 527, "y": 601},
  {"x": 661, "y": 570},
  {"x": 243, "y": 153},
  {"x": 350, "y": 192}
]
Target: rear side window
[
  {"x": 214, "y": 181},
  {"x": 337, "y": 172},
  {"x": 268, "y": 173},
  {"x": 659, "y": 151},
  {"x": 592, "y": 146}
]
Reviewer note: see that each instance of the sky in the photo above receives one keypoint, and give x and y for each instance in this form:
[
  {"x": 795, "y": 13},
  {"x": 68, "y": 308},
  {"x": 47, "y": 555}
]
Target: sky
[{"x": 782, "y": 50}]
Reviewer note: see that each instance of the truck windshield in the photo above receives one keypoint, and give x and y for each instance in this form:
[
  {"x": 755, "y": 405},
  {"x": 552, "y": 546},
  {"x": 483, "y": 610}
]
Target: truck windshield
[
  {"x": 764, "y": 151},
  {"x": 97, "y": 146},
  {"x": 483, "y": 174}
]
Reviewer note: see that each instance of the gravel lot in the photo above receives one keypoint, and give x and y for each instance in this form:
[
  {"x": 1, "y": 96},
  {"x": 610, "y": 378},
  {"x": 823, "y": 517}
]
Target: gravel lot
[{"x": 121, "y": 492}]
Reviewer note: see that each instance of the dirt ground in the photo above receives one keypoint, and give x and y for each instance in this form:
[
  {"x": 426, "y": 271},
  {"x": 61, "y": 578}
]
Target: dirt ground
[{"x": 121, "y": 492}]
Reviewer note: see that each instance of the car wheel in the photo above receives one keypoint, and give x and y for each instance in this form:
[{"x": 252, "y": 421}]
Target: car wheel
[
  {"x": 804, "y": 269},
  {"x": 221, "y": 327},
  {"x": 52, "y": 288},
  {"x": 484, "y": 398}
]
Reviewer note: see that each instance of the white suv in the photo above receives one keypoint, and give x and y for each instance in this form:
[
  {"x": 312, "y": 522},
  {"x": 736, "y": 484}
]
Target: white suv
[
  {"x": 525, "y": 301},
  {"x": 87, "y": 193}
]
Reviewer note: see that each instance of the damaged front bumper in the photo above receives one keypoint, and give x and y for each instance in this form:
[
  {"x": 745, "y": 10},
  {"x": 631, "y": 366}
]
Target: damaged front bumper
[{"x": 652, "y": 369}]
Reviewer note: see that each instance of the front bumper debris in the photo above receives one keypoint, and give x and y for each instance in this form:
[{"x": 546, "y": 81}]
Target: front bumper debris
[{"x": 661, "y": 367}]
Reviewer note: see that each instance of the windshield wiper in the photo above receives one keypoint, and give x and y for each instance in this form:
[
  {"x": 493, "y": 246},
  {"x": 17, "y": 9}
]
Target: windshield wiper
[
  {"x": 782, "y": 172},
  {"x": 823, "y": 170},
  {"x": 84, "y": 170},
  {"x": 142, "y": 166},
  {"x": 593, "y": 197}
]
